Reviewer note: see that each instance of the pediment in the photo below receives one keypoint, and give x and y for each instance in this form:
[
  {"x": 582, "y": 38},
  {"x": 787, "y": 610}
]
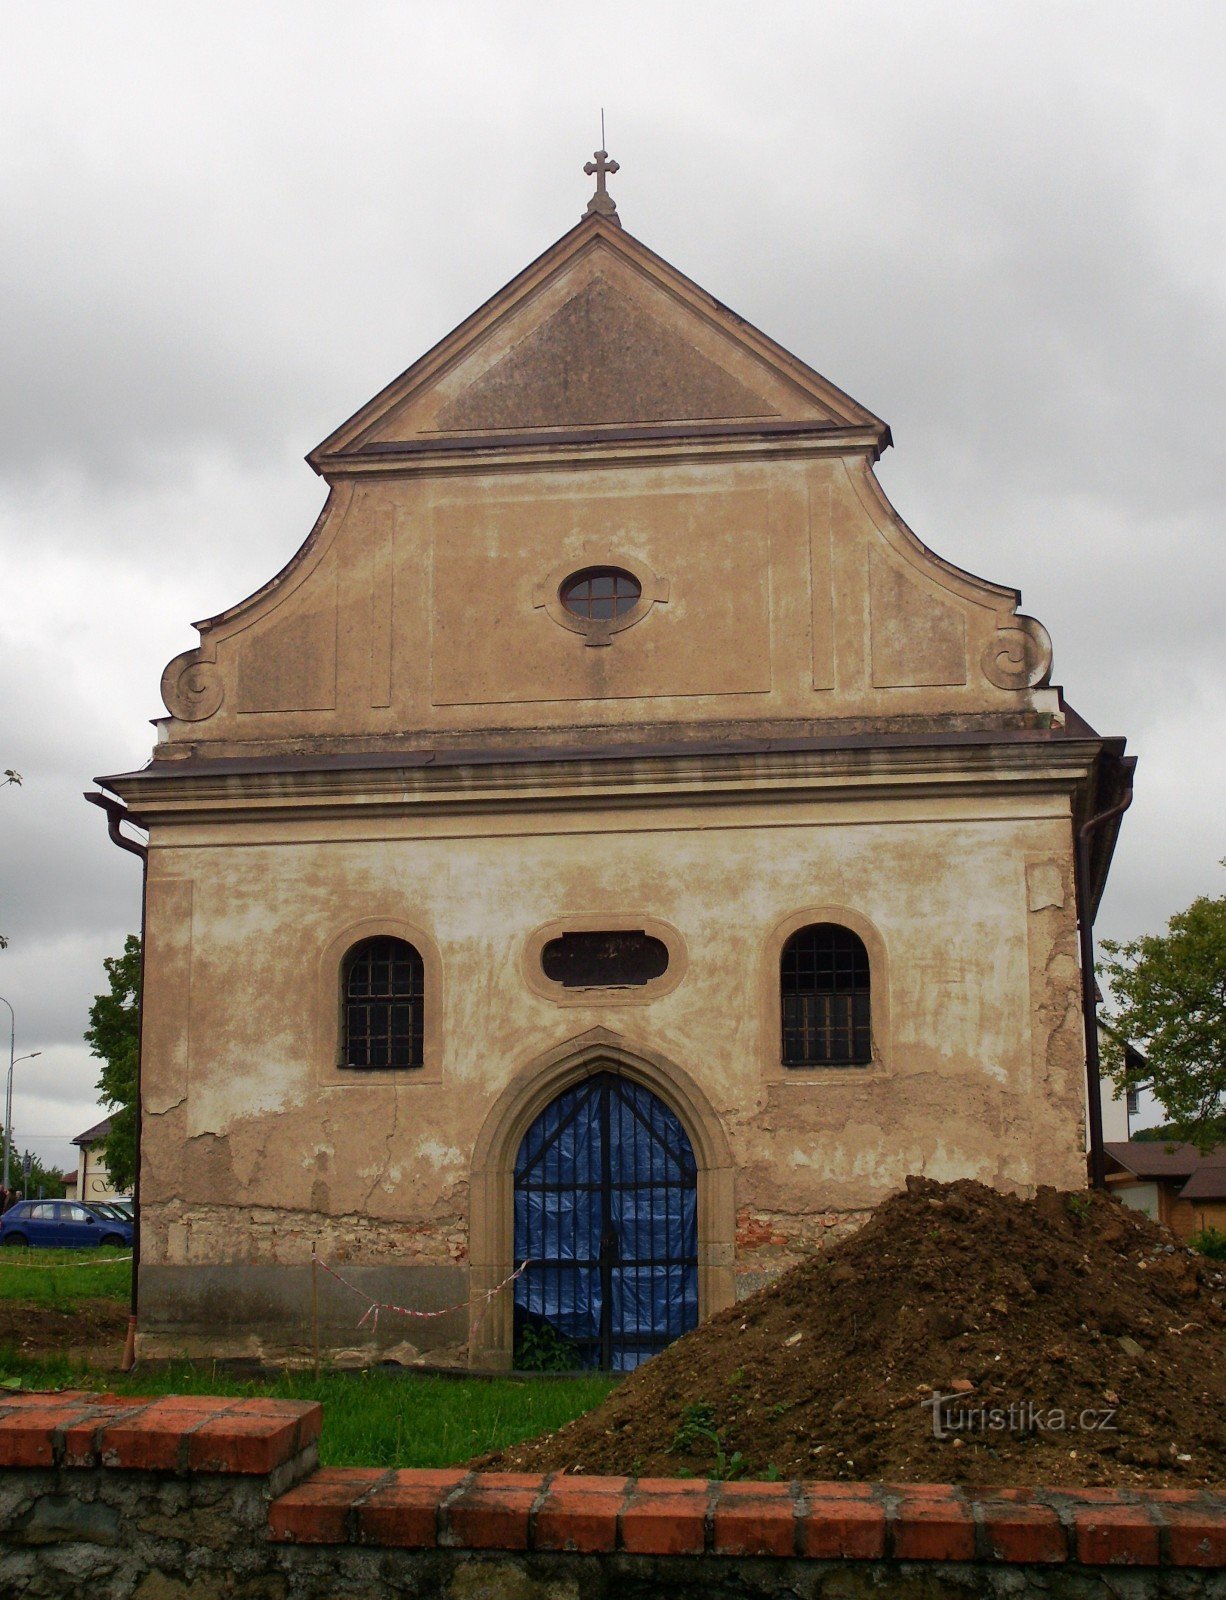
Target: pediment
[
  {"x": 599, "y": 333},
  {"x": 599, "y": 360}
]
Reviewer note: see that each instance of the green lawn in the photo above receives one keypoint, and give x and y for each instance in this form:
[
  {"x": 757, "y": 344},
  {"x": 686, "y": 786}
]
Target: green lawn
[
  {"x": 371, "y": 1419},
  {"x": 63, "y": 1278},
  {"x": 383, "y": 1418}
]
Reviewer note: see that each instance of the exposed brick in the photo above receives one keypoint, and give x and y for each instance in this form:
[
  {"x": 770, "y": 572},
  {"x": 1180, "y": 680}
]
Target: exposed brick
[
  {"x": 665, "y": 1517},
  {"x": 842, "y": 1525},
  {"x": 242, "y": 1443},
  {"x": 1196, "y": 1534},
  {"x": 1101, "y": 1497},
  {"x": 81, "y": 1440},
  {"x": 307, "y": 1414},
  {"x": 755, "y": 1519},
  {"x": 931, "y": 1523},
  {"x": 151, "y": 1439},
  {"x": 1017, "y": 1531},
  {"x": 27, "y": 1436},
  {"x": 579, "y": 1513},
  {"x": 404, "y": 1510},
  {"x": 929, "y": 1491},
  {"x": 1115, "y": 1535},
  {"x": 1025, "y": 1497},
  {"x": 491, "y": 1512},
  {"x": 834, "y": 1489},
  {"x": 199, "y": 1406},
  {"x": 316, "y": 1512}
]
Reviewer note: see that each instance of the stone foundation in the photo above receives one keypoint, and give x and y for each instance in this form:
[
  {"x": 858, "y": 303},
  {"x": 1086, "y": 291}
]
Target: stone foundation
[{"x": 275, "y": 1313}]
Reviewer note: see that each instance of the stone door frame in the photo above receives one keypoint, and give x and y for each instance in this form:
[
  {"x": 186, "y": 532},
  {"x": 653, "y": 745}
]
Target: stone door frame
[{"x": 492, "y": 1198}]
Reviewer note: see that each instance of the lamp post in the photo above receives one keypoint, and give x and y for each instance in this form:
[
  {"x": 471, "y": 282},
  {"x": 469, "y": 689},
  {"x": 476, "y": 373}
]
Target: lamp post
[{"x": 8, "y": 1098}]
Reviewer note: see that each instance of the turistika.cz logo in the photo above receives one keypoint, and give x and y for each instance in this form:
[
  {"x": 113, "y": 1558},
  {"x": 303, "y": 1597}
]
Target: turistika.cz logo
[{"x": 951, "y": 1415}]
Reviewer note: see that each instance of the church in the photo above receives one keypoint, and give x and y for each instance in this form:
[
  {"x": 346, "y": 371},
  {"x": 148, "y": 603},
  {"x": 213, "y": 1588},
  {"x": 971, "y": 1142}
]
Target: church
[{"x": 613, "y": 843}]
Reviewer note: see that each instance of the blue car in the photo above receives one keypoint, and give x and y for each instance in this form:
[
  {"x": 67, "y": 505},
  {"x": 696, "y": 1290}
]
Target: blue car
[{"x": 61, "y": 1224}]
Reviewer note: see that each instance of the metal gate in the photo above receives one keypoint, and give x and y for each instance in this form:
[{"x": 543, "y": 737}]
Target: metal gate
[{"x": 606, "y": 1211}]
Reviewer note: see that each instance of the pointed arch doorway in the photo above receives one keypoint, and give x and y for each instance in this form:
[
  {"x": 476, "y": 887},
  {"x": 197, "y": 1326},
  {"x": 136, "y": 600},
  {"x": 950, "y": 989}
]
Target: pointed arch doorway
[
  {"x": 492, "y": 1200},
  {"x": 606, "y": 1213}
]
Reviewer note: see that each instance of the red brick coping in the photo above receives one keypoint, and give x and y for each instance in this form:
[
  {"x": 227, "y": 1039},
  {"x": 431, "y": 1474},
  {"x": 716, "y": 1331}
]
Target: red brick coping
[
  {"x": 824, "y": 1521},
  {"x": 179, "y": 1433},
  {"x": 455, "y": 1509}
]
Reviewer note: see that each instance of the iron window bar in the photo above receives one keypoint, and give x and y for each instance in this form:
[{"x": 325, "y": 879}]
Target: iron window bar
[
  {"x": 384, "y": 1005},
  {"x": 825, "y": 993}
]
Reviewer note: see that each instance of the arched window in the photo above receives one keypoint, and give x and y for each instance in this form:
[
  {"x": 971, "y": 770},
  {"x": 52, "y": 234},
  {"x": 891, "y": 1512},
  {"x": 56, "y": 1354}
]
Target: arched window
[
  {"x": 384, "y": 983},
  {"x": 824, "y": 986}
]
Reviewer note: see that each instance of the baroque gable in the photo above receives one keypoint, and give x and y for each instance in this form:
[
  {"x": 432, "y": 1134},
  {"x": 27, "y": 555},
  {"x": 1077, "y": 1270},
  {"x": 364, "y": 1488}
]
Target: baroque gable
[{"x": 603, "y": 411}]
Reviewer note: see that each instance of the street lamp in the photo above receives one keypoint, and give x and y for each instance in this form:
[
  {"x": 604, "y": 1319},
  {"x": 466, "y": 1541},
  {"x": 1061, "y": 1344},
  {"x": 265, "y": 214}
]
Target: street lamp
[{"x": 8, "y": 1098}]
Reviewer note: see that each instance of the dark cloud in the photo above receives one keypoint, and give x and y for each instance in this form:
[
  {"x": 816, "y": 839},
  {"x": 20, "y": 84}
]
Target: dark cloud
[{"x": 999, "y": 226}]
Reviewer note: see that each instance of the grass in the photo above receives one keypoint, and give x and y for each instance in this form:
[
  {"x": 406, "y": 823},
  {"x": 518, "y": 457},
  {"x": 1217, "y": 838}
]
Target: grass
[
  {"x": 61, "y": 1279},
  {"x": 379, "y": 1418},
  {"x": 371, "y": 1419}
]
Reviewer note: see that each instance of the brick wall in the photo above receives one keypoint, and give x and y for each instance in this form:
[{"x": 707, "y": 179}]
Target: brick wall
[{"x": 224, "y": 1500}]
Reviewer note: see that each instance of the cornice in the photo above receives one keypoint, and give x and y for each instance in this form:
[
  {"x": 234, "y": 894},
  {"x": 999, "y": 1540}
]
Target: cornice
[
  {"x": 603, "y": 448},
  {"x": 168, "y": 792}
]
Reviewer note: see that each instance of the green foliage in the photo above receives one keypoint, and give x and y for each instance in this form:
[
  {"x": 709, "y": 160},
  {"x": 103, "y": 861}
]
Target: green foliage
[
  {"x": 1169, "y": 1133},
  {"x": 371, "y": 1419},
  {"x": 698, "y": 1430},
  {"x": 697, "y": 1426},
  {"x": 1210, "y": 1242},
  {"x": 1170, "y": 994},
  {"x": 1078, "y": 1207},
  {"x": 49, "y": 1179},
  {"x": 114, "y": 1036},
  {"x": 542, "y": 1348}
]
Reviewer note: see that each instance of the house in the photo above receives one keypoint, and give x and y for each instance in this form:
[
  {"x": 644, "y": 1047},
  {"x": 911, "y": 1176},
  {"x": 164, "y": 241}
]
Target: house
[
  {"x": 91, "y": 1180},
  {"x": 613, "y": 842},
  {"x": 1118, "y": 1106},
  {"x": 1175, "y": 1185}
]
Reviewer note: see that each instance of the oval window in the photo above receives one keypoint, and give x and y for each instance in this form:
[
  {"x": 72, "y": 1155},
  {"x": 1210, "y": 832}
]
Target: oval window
[
  {"x": 600, "y": 594},
  {"x": 620, "y": 960}
]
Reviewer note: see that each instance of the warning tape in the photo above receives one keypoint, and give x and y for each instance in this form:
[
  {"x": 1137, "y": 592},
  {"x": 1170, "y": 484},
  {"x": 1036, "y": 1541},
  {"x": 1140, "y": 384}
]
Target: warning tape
[
  {"x": 62, "y": 1266},
  {"x": 375, "y": 1306}
]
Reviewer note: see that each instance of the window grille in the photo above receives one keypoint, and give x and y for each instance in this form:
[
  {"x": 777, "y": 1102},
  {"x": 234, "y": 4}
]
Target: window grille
[
  {"x": 824, "y": 988},
  {"x": 384, "y": 1004},
  {"x": 601, "y": 593}
]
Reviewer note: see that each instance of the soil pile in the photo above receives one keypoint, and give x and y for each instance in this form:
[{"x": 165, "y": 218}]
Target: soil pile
[{"x": 1063, "y": 1340}]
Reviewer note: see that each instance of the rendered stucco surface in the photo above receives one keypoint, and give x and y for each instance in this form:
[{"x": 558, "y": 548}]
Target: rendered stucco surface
[{"x": 811, "y": 718}]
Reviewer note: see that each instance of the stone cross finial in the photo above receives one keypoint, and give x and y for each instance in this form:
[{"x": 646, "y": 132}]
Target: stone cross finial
[{"x": 602, "y": 203}]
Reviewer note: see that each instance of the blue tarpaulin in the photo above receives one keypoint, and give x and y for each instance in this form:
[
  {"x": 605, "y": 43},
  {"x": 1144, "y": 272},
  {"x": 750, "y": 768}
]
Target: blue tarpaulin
[{"x": 606, "y": 1212}]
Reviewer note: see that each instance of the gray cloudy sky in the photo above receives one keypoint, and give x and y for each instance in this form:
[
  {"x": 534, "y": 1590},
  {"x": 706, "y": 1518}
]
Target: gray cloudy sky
[{"x": 1000, "y": 226}]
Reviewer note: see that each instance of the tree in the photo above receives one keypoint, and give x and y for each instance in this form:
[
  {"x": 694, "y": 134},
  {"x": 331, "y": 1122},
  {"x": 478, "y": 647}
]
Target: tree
[
  {"x": 49, "y": 1179},
  {"x": 114, "y": 1036},
  {"x": 1170, "y": 993}
]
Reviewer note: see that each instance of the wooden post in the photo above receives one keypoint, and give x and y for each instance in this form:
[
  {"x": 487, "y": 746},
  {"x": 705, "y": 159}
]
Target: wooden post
[{"x": 315, "y": 1302}]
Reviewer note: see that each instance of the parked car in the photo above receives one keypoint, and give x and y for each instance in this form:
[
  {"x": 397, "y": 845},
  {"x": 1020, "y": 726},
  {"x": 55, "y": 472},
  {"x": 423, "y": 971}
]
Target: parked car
[
  {"x": 65, "y": 1224},
  {"x": 124, "y": 1203}
]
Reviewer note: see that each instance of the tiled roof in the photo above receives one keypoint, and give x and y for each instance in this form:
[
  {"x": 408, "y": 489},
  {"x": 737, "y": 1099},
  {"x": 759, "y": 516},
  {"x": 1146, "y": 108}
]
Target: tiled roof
[
  {"x": 92, "y": 1135},
  {"x": 1209, "y": 1183},
  {"x": 1205, "y": 1175}
]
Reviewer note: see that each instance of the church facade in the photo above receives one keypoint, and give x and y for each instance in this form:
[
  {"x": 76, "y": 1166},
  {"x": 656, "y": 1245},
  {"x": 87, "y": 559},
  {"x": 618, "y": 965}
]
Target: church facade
[{"x": 613, "y": 841}]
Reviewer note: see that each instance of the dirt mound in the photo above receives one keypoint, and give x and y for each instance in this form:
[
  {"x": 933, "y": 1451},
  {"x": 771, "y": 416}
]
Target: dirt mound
[{"x": 1068, "y": 1340}]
